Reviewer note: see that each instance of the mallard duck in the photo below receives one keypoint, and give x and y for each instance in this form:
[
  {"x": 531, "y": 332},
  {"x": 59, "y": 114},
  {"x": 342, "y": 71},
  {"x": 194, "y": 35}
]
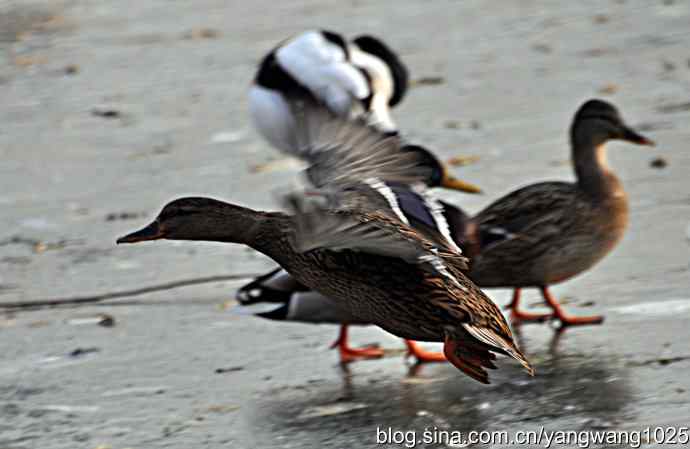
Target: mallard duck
[
  {"x": 347, "y": 240},
  {"x": 546, "y": 233},
  {"x": 276, "y": 295},
  {"x": 364, "y": 78}
]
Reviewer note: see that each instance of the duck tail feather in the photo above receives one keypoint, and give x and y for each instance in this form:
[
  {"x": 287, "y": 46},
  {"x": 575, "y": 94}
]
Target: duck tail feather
[{"x": 499, "y": 344}]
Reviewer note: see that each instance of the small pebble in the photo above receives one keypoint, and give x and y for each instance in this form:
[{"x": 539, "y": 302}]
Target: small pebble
[
  {"x": 541, "y": 48},
  {"x": 79, "y": 352},
  {"x": 609, "y": 89},
  {"x": 229, "y": 370},
  {"x": 102, "y": 319},
  {"x": 113, "y": 216},
  {"x": 668, "y": 66},
  {"x": 106, "y": 112},
  {"x": 658, "y": 162},
  {"x": 428, "y": 81},
  {"x": 202, "y": 33},
  {"x": 29, "y": 60}
]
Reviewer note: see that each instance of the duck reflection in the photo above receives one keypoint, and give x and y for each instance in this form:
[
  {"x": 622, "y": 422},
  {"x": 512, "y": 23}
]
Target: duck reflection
[{"x": 571, "y": 391}]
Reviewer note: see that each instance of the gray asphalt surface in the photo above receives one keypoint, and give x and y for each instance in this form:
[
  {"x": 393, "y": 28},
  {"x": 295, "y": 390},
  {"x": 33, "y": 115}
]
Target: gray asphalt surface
[{"x": 109, "y": 110}]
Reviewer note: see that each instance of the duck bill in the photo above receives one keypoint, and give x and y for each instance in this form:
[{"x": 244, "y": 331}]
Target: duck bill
[
  {"x": 150, "y": 232},
  {"x": 453, "y": 183},
  {"x": 633, "y": 136}
]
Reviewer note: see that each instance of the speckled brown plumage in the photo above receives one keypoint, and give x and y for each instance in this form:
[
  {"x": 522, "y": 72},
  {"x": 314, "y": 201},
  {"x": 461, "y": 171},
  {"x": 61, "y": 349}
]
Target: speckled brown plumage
[
  {"x": 557, "y": 233},
  {"x": 548, "y": 232},
  {"x": 404, "y": 298},
  {"x": 348, "y": 240}
]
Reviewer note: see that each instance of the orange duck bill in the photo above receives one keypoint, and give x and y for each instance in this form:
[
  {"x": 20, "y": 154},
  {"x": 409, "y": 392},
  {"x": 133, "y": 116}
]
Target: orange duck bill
[{"x": 451, "y": 182}]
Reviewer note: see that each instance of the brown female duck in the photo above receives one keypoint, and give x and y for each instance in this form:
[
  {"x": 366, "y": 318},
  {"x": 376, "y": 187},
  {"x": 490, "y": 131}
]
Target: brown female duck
[
  {"x": 277, "y": 295},
  {"x": 548, "y": 232},
  {"x": 348, "y": 241},
  {"x": 363, "y": 78}
]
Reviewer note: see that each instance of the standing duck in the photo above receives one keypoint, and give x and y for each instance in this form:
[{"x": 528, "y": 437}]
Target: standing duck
[
  {"x": 546, "y": 233},
  {"x": 347, "y": 240}
]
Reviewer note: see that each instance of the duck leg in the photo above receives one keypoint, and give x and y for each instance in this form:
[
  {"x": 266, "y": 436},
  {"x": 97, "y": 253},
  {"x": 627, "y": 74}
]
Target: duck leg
[
  {"x": 521, "y": 316},
  {"x": 348, "y": 354},
  {"x": 567, "y": 320},
  {"x": 423, "y": 356}
]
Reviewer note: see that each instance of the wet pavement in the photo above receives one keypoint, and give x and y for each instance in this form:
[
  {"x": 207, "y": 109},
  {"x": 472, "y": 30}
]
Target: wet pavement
[{"x": 108, "y": 113}]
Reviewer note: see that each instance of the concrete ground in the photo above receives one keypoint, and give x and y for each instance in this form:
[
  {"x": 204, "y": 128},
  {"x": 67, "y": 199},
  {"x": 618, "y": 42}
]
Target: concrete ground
[{"x": 108, "y": 110}]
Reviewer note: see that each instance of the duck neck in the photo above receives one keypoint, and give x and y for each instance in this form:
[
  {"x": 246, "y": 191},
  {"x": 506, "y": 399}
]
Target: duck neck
[
  {"x": 266, "y": 232},
  {"x": 271, "y": 236},
  {"x": 593, "y": 173}
]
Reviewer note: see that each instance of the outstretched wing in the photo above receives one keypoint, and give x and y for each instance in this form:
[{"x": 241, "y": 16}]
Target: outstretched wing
[
  {"x": 353, "y": 167},
  {"x": 343, "y": 152},
  {"x": 333, "y": 221}
]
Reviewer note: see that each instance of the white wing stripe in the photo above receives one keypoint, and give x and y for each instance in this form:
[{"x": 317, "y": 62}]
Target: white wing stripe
[
  {"x": 436, "y": 211},
  {"x": 389, "y": 195}
]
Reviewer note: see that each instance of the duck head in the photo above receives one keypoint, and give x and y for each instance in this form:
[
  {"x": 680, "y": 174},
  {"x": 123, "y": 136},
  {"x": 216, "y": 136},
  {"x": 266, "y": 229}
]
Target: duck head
[
  {"x": 376, "y": 47},
  {"x": 598, "y": 121},
  {"x": 198, "y": 218},
  {"x": 439, "y": 175}
]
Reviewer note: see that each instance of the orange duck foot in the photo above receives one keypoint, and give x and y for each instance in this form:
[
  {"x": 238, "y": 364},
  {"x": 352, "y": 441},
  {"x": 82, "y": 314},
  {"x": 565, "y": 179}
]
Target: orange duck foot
[
  {"x": 422, "y": 356},
  {"x": 519, "y": 316},
  {"x": 565, "y": 319},
  {"x": 348, "y": 354}
]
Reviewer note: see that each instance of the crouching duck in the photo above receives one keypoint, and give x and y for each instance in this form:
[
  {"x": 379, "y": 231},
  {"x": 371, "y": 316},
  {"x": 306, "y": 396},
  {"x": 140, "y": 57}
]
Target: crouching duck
[{"x": 347, "y": 240}]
